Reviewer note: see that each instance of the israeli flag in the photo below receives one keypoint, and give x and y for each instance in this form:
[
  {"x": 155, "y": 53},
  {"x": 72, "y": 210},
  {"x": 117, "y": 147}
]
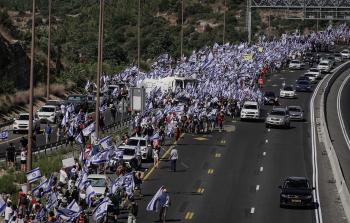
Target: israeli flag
[
  {"x": 66, "y": 214},
  {"x": 129, "y": 184},
  {"x": 152, "y": 205},
  {"x": 90, "y": 193},
  {"x": 103, "y": 108},
  {"x": 65, "y": 118},
  {"x": 45, "y": 186},
  {"x": 101, "y": 157},
  {"x": 2, "y": 205},
  {"x": 155, "y": 136},
  {"x": 87, "y": 85},
  {"x": 101, "y": 209},
  {"x": 73, "y": 206},
  {"x": 118, "y": 183},
  {"x": 82, "y": 180},
  {"x": 41, "y": 214},
  {"x": 33, "y": 175},
  {"x": 52, "y": 201},
  {"x": 104, "y": 142},
  {"x": 79, "y": 138},
  {"x": 88, "y": 130},
  {"x": 4, "y": 134},
  {"x": 71, "y": 130}
]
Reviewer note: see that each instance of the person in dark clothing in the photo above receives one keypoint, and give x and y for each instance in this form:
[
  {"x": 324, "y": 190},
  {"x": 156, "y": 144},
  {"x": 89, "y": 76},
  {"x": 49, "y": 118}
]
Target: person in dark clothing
[
  {"x": 11, "y": 154},
  {"x": 113, "y": 112},
  {"x": 24, "y": 142}
]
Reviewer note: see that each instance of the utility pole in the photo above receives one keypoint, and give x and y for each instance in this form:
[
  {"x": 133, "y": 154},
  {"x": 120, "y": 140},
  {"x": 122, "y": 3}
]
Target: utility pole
[
  {"x": 30, "y": 126},
  {"x": 99, "y": 68},
  {"x": 138, "y": 37},
  {"x": 182, "y": 28},
  {"x": 48, "y": 55},
  {"x": 224, "y": 31},
  {"x": 249, "y": 20}
]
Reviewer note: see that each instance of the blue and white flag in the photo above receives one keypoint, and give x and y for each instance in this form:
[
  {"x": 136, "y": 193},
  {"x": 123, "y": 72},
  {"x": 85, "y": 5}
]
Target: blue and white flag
[
  {"x": 65, "y": 118},
  {"x": 52, "y": 201},
  {"x": 45, "y": 186},
  {"x": 103, "y": 108},
  {"x": 41, "y": 214},
  {"x": 67, "y": 214},
  {"x": 129, "y": 183},
  {"x": 155, "y": 136},
  {"x": 79, "y": 138},
  {"x": 82, "y": 179},
  {"x": 104, "y": 142},
  {"x": 4, "y": 135},
  {"x": 33, "y": 175},
  {"x": 117, "y": 183},
  {"x": 101, "y": 209},
  {"x": 90, "y": 193},
  {"x": 2, "y": 205},
  {"x": 89, "y": 129},
  {"x": 152, "y": 205},
  {"x": 100, "y": 157},
  {"x": 74, "y": 206}
]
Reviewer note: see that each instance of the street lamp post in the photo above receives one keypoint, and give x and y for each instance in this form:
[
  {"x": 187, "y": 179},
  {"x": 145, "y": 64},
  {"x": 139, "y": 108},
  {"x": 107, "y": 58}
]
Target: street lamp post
[
  {"x": 182, "y": 28},
  {"x": 99, "y": 68},
  {"x": 30, "y": 126},
  {"x": 48, "y": 55},
  {"x": 138, "y": 36},
  {"x": 224, "y": 31}
]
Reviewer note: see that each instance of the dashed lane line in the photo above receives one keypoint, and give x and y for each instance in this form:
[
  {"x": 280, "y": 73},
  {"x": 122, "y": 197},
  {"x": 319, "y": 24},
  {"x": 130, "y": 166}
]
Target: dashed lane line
[
  {"x": 189, "y": 215},
  {"x": 210, "y": 171}
]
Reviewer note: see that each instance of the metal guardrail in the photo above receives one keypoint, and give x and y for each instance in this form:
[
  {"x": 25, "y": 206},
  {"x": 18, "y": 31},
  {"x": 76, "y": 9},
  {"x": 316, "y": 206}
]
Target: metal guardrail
[{"x": 43, "y": 148}]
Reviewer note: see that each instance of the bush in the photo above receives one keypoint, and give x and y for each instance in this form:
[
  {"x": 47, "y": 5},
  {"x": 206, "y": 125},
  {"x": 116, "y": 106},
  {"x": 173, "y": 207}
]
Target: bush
[{"x": 7, "y": 185}]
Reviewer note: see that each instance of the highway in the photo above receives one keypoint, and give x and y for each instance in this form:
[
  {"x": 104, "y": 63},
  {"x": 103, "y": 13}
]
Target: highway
[{"x": 234, "y": 176}]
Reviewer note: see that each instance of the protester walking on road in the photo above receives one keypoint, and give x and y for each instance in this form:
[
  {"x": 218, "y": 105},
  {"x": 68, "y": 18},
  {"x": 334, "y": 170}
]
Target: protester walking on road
[
  {"x": 23, "y": 159},
  {"x": 47, "y": 132},
  {"x": 11, "y": 155},
  {"x": 164, "y": 203},
  {"x": 133, "y": 210},
  {"x": 177, "y": 133},
  {"x": 174, "y": 156},
  {"x": 155, "y": 158}
]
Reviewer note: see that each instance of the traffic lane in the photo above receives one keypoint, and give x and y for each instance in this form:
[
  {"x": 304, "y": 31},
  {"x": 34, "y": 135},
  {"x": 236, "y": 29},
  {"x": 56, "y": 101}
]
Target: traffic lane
[
  {"x": 345, "y": 106},
  {"x": 41, "y": 138},
  {"x": 333, "y": 124},
  {"x": 194, "y": 167}
]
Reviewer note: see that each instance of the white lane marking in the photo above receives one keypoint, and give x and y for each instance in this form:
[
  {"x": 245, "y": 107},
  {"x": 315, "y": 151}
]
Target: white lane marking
[
  {"x": 257, "y": 187},
  {"x": 274, "y": 85},
  {"x": 252, "y": 210},
  {"x": 261, "y": 169},
  {"x": 266, "y": 140},
  {"x": 340, "y": 116},
  {"x": 264, "y": 153}
]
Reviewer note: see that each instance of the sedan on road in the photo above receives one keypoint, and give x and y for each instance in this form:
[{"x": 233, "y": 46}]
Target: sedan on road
[
  {"x": 296, "y": 64},
  {"x": 346, "y": 54},
  {"x": 315, "y": 72},
  {"x": 279, "y": 116},
  {"x": 311, "y": 77},
  {"x": 287, "y": 92},
  {"x": 296, "y": 113},
  {"x": 303, "y": 86},
  {"x": 270, "y": 98},
  {"x": 296, "y": 192}
]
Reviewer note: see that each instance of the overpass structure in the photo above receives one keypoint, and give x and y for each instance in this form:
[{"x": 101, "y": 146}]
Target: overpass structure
[{"x": 302, "y": 9}]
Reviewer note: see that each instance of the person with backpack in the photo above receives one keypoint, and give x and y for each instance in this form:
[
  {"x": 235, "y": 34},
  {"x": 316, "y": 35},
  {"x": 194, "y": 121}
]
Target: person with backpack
[{"x": 133, "y": 210}]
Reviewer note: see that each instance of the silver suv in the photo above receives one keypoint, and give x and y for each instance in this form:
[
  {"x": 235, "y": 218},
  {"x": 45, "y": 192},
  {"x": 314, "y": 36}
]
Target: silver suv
[{"x": 279, "y": 116}]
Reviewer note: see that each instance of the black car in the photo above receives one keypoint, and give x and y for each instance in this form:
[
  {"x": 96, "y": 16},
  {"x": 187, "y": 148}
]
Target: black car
[
  {"x": 78, "y": 101},
  {"x": 270, "y": 98},
  {"x": 303, "y": 86},
  {"x": 296, "y": 192}
]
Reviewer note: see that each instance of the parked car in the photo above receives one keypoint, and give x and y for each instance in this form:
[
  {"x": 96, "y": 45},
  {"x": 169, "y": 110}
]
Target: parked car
[
  {"x": 345, "y": 53},
  {"x": 48, "y": 113},
  {"x": 145, "y": 148},
  {"x": 311, "y": 77},
  {"x": 98, "y": 183},
  {"x": 78, "y": 101},
  {"x": 324, "y": 66},
  {"x": 270, "y": 98},
  {"x": 287, "y": 92},
  {"x": 303, "y": 86},
  {"x": 131, "y": 155},
  {"x": 296, "y": 192},
  {"x": 296, "y": 113},
  {"x": 21, "y": 123},
  {"x": 296, "y": 64},
  {"x": 338, "y": 57},
  {"x": 250, "y": 110},
  {"x": 279, "y": 116}
]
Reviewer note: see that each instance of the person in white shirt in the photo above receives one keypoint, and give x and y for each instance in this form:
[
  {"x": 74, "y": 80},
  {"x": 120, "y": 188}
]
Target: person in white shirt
[
  {"x": 63, "y": 176},
  {"x": 23, "y": 159},
  {"x": 174, "y": 156},
  {"x": 8, "y": 211}
]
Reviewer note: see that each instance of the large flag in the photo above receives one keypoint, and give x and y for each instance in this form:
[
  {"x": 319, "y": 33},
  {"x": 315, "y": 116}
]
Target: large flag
[
  {"x": 104, "y": 141},
  {"x": 2, "y": 205},
  {"x": 52, "y": 201},
  {"x": 79, "y": 138},
  {"x": 129, "y": 184},
  {"x": 66, "y": 214},
  {"x": 89, "y": 195},
  {"x": 101, "y": 209},
  {"x": 82, "y": 179},
  {"x": 33, "y": 175},
  {"x": 101, "y": 157},
  {"x": 89, "y": 129},
  {"x": 45, "y": 186},
  {"x": 74, "y": 206},
  {"x": 118, "y": 183},
  {"x": 152, "y": 205}
]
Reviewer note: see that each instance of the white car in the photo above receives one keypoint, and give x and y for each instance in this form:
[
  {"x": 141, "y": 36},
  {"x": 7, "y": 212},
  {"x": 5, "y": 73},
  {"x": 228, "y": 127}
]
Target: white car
[
  {"x": 345, "y": 54},
  {"x": 296, "y": 64},
  {"x": 250, "y": 110},
  {"x": 315, "y": 72},
  {"x": 98, "y": 183},
  {"x": 21, "y": 123},
  {"x": 311, "y": 77},
  {"x": 130, "y": 153},
  {"x": 287, "y": 92},
  {"x": 145, "y": 148},
  {"x": 48, "y": 113},
  {"x": 324, "y": 66}
]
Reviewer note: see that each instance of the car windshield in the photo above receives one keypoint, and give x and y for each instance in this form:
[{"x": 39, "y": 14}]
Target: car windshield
[
  {"x": 134, "y": 142},
  {"x": 129, "y": 152},
  {"x": 296, "y": 184},
  {"x": 324, "y": 63},
  {"x": 313, "y": 70},
  {"x": 296, "y": 61},
  {"x": 97, "y": 182},
  {"x": 288, "y": 88},
  {"x": 23, "y": 117},
  {"x": 278, "y": 113},
  {"x": 75, "y": 98},
  {"x": 309, "y": 75},
  {"x": 269, "y": 94},
  {"x": 294, "y": 109},
  {"x": 303, "y": 83},
  {"x": 250, "y": 107},
  {"x": 47, "y": 109}
]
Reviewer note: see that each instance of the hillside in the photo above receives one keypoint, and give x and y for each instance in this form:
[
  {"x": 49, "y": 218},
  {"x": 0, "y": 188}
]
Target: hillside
[{"x": 75, "y": 27}]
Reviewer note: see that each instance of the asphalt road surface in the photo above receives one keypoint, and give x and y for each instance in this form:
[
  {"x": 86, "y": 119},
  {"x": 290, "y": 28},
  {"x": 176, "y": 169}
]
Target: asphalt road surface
[{"x": 234, "y": 176}]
